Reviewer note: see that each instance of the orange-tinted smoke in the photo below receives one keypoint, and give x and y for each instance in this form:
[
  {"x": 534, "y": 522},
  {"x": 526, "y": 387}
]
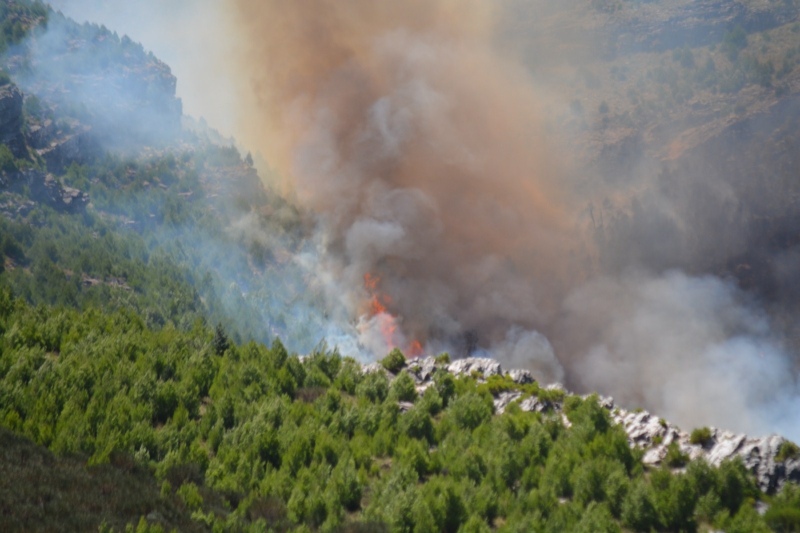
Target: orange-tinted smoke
[{"x": 423, "y": 151}]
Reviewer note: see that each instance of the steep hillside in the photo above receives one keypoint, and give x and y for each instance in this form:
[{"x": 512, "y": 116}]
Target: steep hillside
[
  {"x": 147, "y": 276},
  {"x": 684, "y": 106}
]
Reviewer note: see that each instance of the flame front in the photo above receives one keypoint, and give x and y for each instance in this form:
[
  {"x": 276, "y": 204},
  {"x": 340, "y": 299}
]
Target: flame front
[{"x": 387, "y": 323}]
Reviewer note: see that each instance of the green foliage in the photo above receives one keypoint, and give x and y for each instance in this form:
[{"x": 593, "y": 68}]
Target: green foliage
[
  {"x": 784, "y": 513},
  {"x": 638, "y": 511},
  {"x": 17, "y": 18},
  {"x": 221, "y": 342},
  {"x": 701, "y": 436},
  {"x": 469, "y": 411},
  {"x": 788, "y": 450},
  {"x": 374, "y": 387},
  {"x": 394, "y": 361},
  {"x": 7, "y": 161},
  {"x": 230, "y": 446},
  {"x": 403, "y": 388},
  {"x": 674, "y": 457}
]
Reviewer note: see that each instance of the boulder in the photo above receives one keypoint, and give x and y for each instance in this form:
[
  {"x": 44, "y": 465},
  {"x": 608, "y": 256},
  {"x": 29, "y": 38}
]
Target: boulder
[
  {"x": 45, "y": 188},
  {"x": 522, "y": 377},
  {"x": 483, "y": 366}
]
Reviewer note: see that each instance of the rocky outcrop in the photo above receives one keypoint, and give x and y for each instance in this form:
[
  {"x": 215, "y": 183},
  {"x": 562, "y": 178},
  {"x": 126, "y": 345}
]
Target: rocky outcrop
[
  {"x": 11, "y": 119},
  {"x": 758, "y": 453},
  {"x": 652, "y": 434},
  {"x": 64, "y": 148},
  {"x": 45, "y": 188}
]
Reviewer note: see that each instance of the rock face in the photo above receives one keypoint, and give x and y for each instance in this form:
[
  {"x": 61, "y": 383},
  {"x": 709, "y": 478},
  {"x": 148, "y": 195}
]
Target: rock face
[
  {"x": 47, "y": 189},
  {"x": 482, "y": 366},
  {"x": 759, "y": 453},
  {"x": 112, "y": 84},
  {"x": 11, "y": 119},
  {"x": 652, "y": 434},
  {"x": 61, "y": 149}
]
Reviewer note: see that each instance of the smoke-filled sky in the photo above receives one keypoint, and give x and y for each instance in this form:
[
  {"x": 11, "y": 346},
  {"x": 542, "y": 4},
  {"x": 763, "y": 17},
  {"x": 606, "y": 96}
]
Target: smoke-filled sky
[{"x": 452, "y": 213}]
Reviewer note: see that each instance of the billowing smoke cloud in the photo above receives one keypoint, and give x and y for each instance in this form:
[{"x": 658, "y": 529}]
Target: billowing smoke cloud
[
  {"x": 426, "y": 157},
  {"x": 448, "y": 210},
  {"x": 691, "y": 346},
  {"x": 447, "y": 214}
]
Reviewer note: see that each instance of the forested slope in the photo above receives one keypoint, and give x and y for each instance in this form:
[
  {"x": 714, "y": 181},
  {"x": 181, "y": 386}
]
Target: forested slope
[{"x": 141, "y": 388}]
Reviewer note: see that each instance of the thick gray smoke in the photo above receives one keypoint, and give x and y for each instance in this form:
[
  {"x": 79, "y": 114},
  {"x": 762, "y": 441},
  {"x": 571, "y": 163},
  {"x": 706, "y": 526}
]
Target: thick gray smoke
[
  {"x": 430, "y": 140},
  {"x": 694, "y": 347}
]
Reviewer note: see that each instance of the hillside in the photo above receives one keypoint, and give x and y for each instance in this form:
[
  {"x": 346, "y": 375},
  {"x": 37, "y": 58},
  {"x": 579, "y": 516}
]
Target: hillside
[
  {"x": 689, "y": 108},
  {"x": 168, "y": 346}
]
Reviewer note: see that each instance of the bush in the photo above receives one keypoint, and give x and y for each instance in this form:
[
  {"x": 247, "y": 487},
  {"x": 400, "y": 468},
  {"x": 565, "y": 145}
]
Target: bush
[
  {"x": 374, "y": 387},
  {"x": 403, "y": 388},
  {"x": 191, "y": 496},
  {"x": 782, "y": 519},
  {"x": 7, "y": 161},
  {"x": 638, "y": 511},
  {"x": 445, "y": 385},
  {"x": 701, "y": 436},
  {"x": 469, "y": 411},
  {"x": 394, "y": 362},
  {"x": 788, "y": 450},
  {"x": 675, "y": 458}
]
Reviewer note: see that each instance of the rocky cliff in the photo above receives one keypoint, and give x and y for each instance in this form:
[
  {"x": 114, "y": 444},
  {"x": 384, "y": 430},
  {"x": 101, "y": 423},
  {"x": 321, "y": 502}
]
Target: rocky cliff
[{"x": 11, "y": 119}]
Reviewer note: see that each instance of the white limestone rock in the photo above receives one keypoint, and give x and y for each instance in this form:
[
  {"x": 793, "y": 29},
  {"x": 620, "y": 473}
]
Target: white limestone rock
[{"x": 483, "y": 366}]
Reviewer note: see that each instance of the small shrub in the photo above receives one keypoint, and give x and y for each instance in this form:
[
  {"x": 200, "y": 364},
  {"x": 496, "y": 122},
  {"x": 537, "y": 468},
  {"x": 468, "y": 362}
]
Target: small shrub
[
  {"x": 788, "y": 450},
  {"x": 675, "y": 458},
  {"x": 497, "y": 384},
  {"x": 374, "y": 387},
  {"x": 7, "y": 161},
  {"x": 443, "y": 358},
  {"x": 190, "y": 496},
  {"x": 701, "y": 436},
  {"x": 470, "y": 411},
  {"x": 783, "y": 519},
  {"x": 394, "y": 362},
  {"x": 445, "y": 385},
  {"x": 403, "y": 388}
]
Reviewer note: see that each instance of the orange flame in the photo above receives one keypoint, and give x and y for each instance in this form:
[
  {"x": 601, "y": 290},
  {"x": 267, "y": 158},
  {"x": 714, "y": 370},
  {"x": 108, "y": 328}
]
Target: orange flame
[
  {"x": 415, "y": 349},
  {"x": 387, "y": 322}
]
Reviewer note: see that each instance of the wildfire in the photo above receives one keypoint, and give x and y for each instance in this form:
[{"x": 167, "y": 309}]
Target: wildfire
[{"x": 377, "y": 308}]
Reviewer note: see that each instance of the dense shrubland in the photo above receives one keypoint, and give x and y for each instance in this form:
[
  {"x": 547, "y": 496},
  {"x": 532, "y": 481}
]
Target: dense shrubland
[
  {"x": 254, "y": 437},
  {"x": 135, "y": 394},
  {"x": 119, "y": 355}
]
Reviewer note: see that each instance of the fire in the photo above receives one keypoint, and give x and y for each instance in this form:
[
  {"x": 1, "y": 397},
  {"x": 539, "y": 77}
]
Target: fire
[
  {"x": 378, "y": 308},
  {"x": 415, "y": 348}
]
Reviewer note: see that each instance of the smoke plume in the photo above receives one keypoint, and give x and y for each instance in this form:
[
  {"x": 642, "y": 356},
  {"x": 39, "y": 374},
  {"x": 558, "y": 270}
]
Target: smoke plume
[
  {"x": 440, "y": 147},
  {"x": 427, "y": 159},
  {"x": 449, "y": 215}
]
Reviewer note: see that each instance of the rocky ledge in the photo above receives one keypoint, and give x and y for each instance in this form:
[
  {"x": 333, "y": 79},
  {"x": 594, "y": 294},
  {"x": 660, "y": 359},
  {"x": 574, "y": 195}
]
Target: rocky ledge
[{"x": 655, "y": 436}]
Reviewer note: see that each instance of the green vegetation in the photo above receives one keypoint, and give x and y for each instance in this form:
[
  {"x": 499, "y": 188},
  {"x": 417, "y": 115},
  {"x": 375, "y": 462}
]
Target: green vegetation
[
  {"x": 701, "y": 436},
  {"x": 137, "y": 394},
  {"x": 784, "y": 513},
  {"x": 17, "y": 17},
  {"x": 394, "y": 362},
  {"x": 252, "y": 436},
  {"x": 788, "y": 450}
]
